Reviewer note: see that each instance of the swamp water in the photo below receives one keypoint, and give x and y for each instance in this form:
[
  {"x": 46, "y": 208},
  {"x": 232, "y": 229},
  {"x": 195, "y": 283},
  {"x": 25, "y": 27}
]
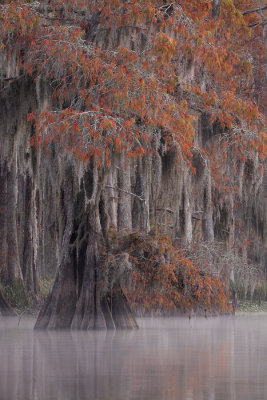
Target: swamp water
[{"x": 221, "y": 358}]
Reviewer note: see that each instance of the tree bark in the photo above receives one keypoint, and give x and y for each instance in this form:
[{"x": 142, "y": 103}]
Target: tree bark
[
  {"x": 140, "y": 214},
  {"x": 207, "y": 220},
  {"x": 29, "y": 268},
  {"x": 187, "y": 211},
  {"x": 13, "y": 259},
  {"x": 78, "y": 299},
  {"x": 124, "y": 204},
  {"x": 112, "y": 201},
  {"x": 3, "y": 222},
  {"x": 58, "y": 310}
]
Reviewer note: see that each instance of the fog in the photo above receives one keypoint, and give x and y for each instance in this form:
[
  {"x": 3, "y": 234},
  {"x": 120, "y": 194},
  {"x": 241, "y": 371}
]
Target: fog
[{"x": 221, "y": 358}]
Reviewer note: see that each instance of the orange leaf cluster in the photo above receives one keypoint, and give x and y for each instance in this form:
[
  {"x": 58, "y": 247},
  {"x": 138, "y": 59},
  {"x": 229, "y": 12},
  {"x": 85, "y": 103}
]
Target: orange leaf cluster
[
  {"x": 121, "y": 99},
  {"x": 164, "y": 278}
]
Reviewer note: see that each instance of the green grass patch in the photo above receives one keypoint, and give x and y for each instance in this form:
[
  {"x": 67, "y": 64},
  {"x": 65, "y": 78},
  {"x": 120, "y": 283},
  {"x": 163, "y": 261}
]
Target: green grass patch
[
  {"x": 23, "y": 302},
  {"x": 252, "y": 306},
  {"x": 16, "y": 295}
]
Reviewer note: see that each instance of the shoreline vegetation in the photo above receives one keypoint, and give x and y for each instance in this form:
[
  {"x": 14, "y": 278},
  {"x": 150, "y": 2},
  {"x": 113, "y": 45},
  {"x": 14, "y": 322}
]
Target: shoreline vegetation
[
  {"x": 30, "y": 306},
  {"x": 252, "y": 306}
]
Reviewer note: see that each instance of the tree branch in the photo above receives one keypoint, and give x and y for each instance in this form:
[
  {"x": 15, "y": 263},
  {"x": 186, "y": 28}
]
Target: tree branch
[
  {"x": 165, "y": 209},
  {"x": 125, "y": 191},
  {"x": 12, "y": 78},
  {"x": 255, "y": 10},
  {"x": 257, "y": 24}
]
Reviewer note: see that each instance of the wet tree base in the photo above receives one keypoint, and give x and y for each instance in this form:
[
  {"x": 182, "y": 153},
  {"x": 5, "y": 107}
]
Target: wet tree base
[{"x": 110, "y": 313}]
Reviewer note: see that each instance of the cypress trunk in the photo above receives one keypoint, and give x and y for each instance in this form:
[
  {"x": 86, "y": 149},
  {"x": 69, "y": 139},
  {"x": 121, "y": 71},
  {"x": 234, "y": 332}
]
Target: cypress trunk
[
  {"x": 3, "y": 222},
  {"x": 78, "y": 299},
  {"x": 13, "y": 259}
]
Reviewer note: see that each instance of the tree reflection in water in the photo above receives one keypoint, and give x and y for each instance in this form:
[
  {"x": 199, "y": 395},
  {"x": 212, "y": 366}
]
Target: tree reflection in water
[{"x": 170, "y": 359}]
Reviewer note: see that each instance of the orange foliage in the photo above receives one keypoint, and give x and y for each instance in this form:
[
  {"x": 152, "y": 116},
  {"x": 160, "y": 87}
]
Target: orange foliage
[
  {"x": 126, "y": 95},
  {"x": 165, "y": 279}
]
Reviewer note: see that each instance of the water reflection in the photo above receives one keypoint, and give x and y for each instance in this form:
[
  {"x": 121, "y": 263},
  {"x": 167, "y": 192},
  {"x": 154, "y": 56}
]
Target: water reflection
[{"x": 167, "y": 359}]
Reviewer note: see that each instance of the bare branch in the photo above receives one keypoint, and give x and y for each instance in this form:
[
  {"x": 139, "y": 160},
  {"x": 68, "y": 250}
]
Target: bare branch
[
  {"x": 59, "y": 19},
  {"x": 165, "y": 209},
  {"x": 255, "y": 10},
  {"x": 12, "y": 78},
  {"x": 257, "y": 24},
  {"x": 125, "y": 191}
]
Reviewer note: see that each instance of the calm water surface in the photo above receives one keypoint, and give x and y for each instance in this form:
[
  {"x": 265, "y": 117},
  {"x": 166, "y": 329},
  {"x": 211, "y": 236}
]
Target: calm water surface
[{"x": 167, "y": 359}]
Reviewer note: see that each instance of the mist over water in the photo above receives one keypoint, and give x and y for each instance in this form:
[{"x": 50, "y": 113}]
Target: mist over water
[{"x": 222, "y": 358}]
